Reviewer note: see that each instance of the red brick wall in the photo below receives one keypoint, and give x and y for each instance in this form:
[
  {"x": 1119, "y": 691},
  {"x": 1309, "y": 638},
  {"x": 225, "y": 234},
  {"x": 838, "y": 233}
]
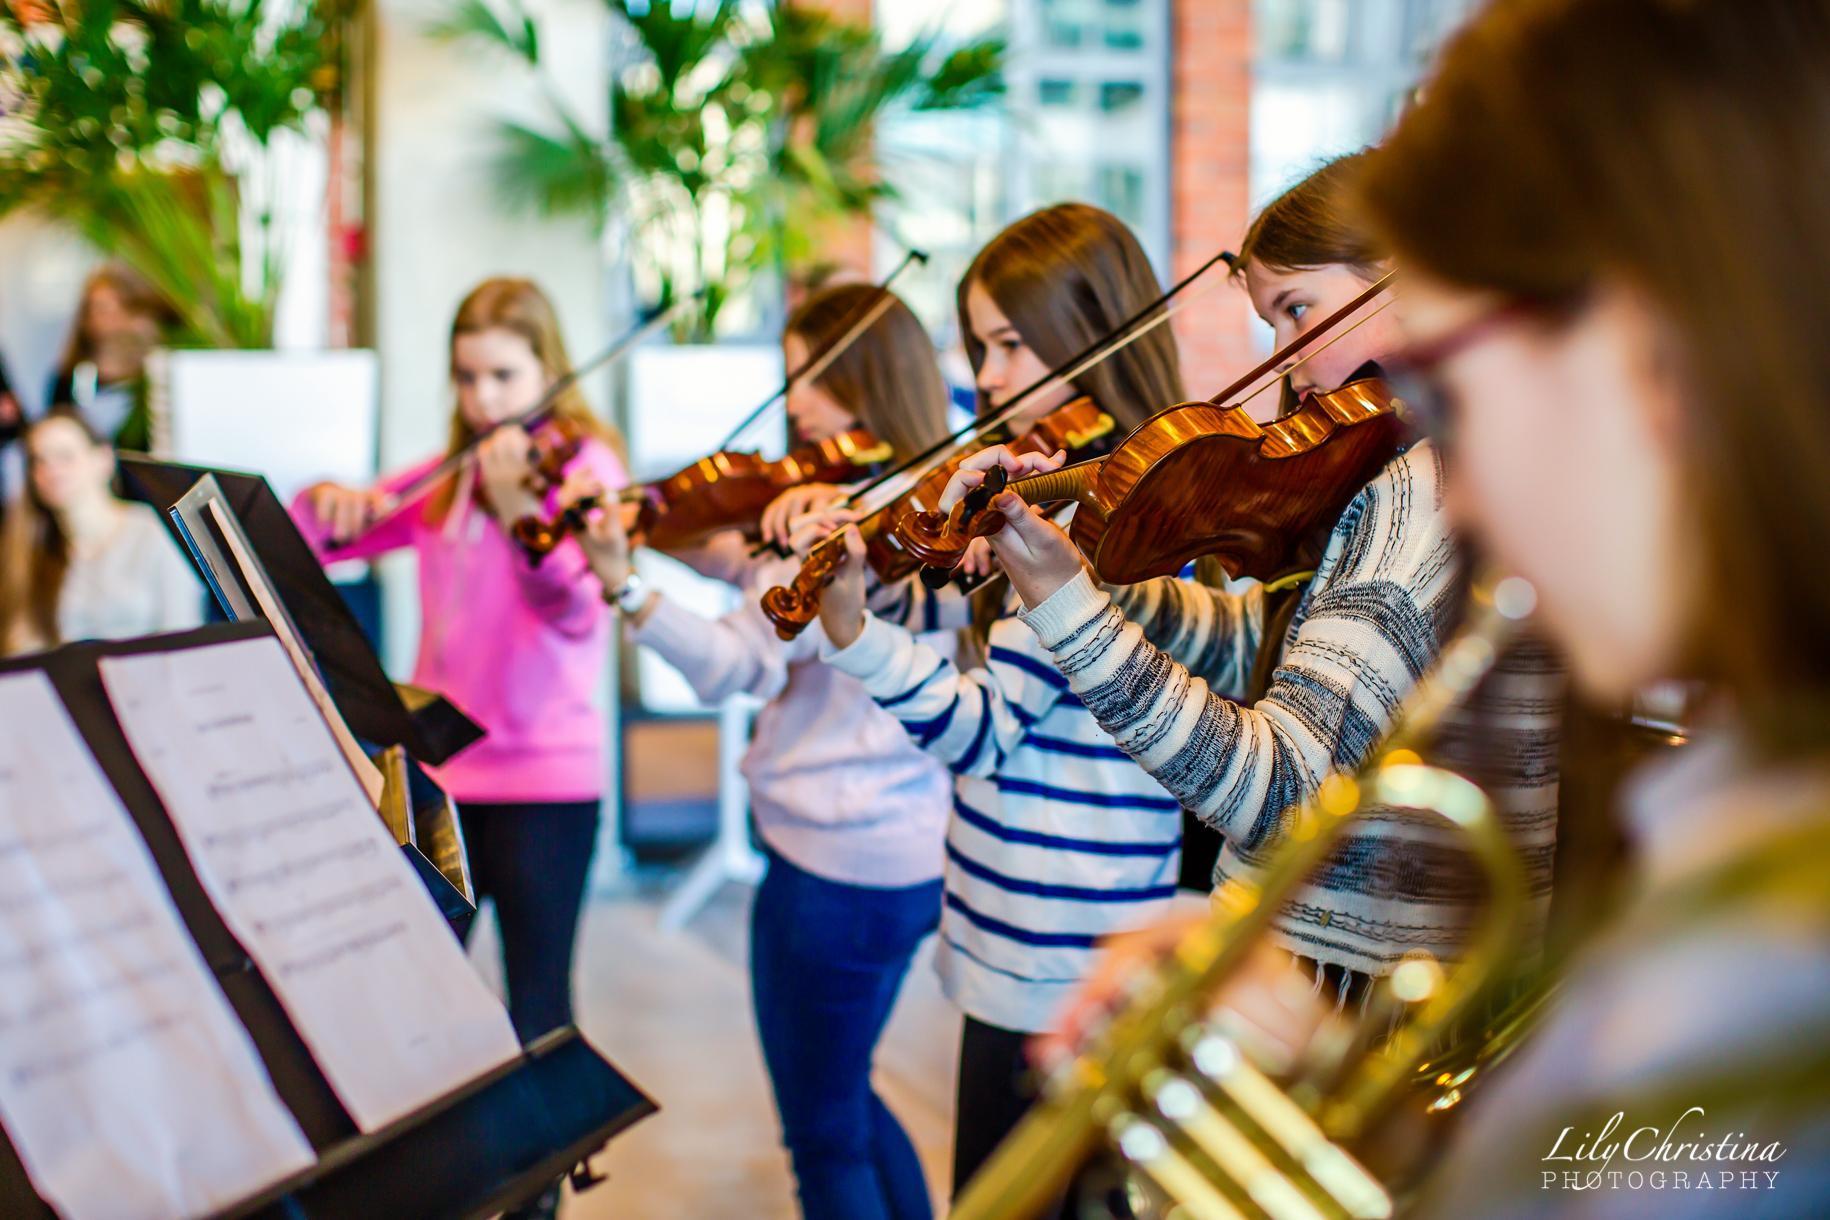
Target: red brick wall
[{"x": 1210, "y": 168}]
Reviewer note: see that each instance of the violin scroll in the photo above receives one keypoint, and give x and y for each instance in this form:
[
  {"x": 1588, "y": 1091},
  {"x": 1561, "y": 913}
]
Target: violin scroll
[
  {"x": 791, "y": 607},
  {"x": 539, "y": 537},
  {"x": 938, "y": 540}
]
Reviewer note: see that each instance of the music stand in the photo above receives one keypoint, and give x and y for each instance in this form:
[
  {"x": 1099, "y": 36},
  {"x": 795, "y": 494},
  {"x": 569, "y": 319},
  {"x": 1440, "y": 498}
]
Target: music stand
[{"x": 427, "y": 725}]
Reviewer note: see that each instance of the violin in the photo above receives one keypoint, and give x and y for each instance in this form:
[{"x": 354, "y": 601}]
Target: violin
[
  {"x": 539, "y": 537},
  {"x": 729, "y": 490},
  {"x": 1197, "y": 479},
  {"x": 724, "y": 491},
  {"x": 1072, "y": 427},
  {"x": 1202, "y": 478},
  {"x": 550, "y": 459},
  {"x": 790, "y": 608}
]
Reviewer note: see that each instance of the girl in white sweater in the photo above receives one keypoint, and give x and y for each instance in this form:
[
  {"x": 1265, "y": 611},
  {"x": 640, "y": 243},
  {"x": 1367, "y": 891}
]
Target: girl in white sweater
[{"x": 850, "y": 812}]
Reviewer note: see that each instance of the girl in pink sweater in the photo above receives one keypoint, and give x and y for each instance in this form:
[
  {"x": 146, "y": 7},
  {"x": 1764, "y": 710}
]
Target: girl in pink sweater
[{"x": 518, "y": 646}]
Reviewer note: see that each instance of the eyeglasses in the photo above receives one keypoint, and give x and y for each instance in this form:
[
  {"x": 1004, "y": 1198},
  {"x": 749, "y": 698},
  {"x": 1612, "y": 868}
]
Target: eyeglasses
[{"x": 1413, "y": 372}]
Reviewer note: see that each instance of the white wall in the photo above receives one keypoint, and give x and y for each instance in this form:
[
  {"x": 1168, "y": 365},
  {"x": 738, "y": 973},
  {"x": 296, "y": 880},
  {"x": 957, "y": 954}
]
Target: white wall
[
  {"x": 438, "y": 227},
  {"x": 41, "y": 276}
]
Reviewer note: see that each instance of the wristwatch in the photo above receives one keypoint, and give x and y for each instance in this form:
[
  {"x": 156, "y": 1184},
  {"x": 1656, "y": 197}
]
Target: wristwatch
[{"x": 628, "y": 596}]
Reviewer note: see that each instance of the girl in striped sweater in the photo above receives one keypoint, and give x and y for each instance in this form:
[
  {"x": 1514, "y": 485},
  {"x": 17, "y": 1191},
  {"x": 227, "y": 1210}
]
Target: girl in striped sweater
[
  {"x": 1252, "y": 699},
  {"x": 1057, "y": 838},
  {"x": 849, "y": 811}
]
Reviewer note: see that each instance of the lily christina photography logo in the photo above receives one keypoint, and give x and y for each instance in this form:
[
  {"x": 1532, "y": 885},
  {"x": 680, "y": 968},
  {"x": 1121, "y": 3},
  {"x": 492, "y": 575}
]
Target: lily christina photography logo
[{"x": 1679, "y": 1156}]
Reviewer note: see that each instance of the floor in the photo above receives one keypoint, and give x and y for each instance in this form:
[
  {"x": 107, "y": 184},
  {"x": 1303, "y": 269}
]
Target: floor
[{"x": 672, "y": 1010}]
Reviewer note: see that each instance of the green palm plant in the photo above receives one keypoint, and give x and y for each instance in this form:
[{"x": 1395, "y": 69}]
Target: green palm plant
[
  {"x": 136, "y": 123},
  {"x": 737, "y": 134}
]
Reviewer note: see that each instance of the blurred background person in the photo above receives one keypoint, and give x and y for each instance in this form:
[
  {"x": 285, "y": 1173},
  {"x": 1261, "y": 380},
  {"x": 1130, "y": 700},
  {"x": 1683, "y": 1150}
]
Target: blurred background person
[
  {"x": 80, "y": 563},
  {"x": 120, "y": 319}
]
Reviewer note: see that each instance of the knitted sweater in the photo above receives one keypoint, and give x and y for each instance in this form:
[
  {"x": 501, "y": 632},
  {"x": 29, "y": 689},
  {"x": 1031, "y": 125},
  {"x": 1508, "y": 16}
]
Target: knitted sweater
[
  {"x": 1387, "y": 593},
  {"x": 1057, "y": 838}
]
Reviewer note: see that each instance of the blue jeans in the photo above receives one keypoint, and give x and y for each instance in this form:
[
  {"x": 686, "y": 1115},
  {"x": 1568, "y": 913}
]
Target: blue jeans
[{"x": 826, "y": 960}]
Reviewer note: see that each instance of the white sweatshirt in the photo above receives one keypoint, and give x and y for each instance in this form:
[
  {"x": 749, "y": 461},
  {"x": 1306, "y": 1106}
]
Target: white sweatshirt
[{"x": 837, "y": 787}]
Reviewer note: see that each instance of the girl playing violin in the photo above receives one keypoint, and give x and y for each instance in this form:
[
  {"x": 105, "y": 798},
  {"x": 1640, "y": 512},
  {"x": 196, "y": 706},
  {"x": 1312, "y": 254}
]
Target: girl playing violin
[
  {"x": 851, "y": 814},
  {"x": 518, "y": 646},
  {"x": 1261, "y": 695},
  {"x": 1056, "y": 836}
]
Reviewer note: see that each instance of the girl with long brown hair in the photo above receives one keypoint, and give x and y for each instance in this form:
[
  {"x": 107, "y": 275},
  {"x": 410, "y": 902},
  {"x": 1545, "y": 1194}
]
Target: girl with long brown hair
[
  {"x": 79, "y": 563},
  {"x": 519, "y": 646},
  {"x": 1614, "y": 218},
  {"x": 850, "y": 813},
  {"x": 1056, "y": 837},
  {"x": 1240, "y": 703}
]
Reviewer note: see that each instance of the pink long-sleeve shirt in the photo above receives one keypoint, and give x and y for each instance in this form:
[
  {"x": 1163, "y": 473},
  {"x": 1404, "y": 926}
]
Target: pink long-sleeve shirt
[{"x": 519, "y": 647}]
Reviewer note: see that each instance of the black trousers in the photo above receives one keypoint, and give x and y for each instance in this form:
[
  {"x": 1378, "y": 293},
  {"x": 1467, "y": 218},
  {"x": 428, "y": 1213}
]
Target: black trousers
[
  {"x": 996, "y": 1088},
  {"x": 533, "y": 860}
]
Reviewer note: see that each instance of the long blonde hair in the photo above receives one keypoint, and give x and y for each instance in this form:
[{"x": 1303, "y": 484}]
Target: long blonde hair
[{"x": 519, "y": 307}]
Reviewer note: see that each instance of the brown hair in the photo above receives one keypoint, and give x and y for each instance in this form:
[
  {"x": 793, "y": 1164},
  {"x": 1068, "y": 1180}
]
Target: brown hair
[
  {"x": 888, "y": 377},
  {"x": 138, "y": 297},
  {"x": 37, "y": 555},
  {"x": 518, "y": 306},
  {"x": 1065, "y": 277},
  {"x": 1684, "y": 149},
  {"x": 1314, "y": 223}
]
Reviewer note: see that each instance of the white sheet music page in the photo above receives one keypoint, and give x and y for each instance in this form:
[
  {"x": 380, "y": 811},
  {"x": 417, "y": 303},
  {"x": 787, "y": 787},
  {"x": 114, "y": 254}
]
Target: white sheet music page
[
  {"x": 307, "y": 877},
  {"x": 127, "y": 1085}
]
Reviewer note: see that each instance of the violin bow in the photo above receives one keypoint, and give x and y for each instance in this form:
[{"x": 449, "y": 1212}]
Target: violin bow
[
  {"x": 1127, "y": 332},
  {"x": 1279, "y": 365},
  {"x": 818, "y": 362},
  {"x": 418, "y": 487}
]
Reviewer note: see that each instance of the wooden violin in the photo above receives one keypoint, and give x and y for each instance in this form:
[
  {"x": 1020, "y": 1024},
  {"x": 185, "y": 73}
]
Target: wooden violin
[
  {"x": 1206, "y": 478},
  {"x": 792, "y": 607},
  {"x": 1196, "y": 479},
  {"x": 540, "y": 536},
  {"x": 730, "y": 490},
  {"x": 724, "y": 491}
]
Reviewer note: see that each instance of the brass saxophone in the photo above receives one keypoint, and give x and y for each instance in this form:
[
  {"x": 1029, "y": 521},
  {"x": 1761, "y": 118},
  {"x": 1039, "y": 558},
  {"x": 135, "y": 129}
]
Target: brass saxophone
[{"x": 1180, "y": 1100}]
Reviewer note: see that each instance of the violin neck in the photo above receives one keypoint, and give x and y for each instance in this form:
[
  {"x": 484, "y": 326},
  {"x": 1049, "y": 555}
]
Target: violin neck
[{"x": 1069, "y": 483}]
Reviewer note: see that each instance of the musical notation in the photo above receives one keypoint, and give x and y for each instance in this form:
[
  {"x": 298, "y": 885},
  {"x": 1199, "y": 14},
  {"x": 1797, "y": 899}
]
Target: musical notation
[
  {"x": 127, "y": 1085},
  {"x": 305, "y": 875}
]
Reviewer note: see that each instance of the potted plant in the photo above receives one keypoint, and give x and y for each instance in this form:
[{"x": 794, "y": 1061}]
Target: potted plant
[
  {"x": 147, "y": 125},
  {"x": 738, "y": 135},
  {"x": 152, "y": 127}
]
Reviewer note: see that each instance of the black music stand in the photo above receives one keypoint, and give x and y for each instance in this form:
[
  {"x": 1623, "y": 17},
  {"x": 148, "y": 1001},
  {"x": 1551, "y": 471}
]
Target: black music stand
[
  {"x": 427, "y": 725},
  {"x": 210, "y": 528},
  {"x": 491, "y": 1143}
]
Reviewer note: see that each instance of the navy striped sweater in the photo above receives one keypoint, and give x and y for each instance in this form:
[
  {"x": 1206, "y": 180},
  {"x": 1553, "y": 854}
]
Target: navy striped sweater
[{"x": 1057, "y": 838}]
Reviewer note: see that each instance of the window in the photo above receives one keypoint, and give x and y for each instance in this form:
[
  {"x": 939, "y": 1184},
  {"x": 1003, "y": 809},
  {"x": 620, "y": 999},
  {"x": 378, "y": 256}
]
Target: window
[
  {"x": 1117, "y": 95},
  {"x": 1330, "y": 75},
  {"x": 1086, "y": 117}
]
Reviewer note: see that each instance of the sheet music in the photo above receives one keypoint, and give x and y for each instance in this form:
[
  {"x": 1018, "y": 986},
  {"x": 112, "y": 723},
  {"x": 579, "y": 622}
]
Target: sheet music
[
  {"x": 306, "y": 875},
  {"x": 281, "y": 622},
  {"x": 127, "y": 1085}
]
